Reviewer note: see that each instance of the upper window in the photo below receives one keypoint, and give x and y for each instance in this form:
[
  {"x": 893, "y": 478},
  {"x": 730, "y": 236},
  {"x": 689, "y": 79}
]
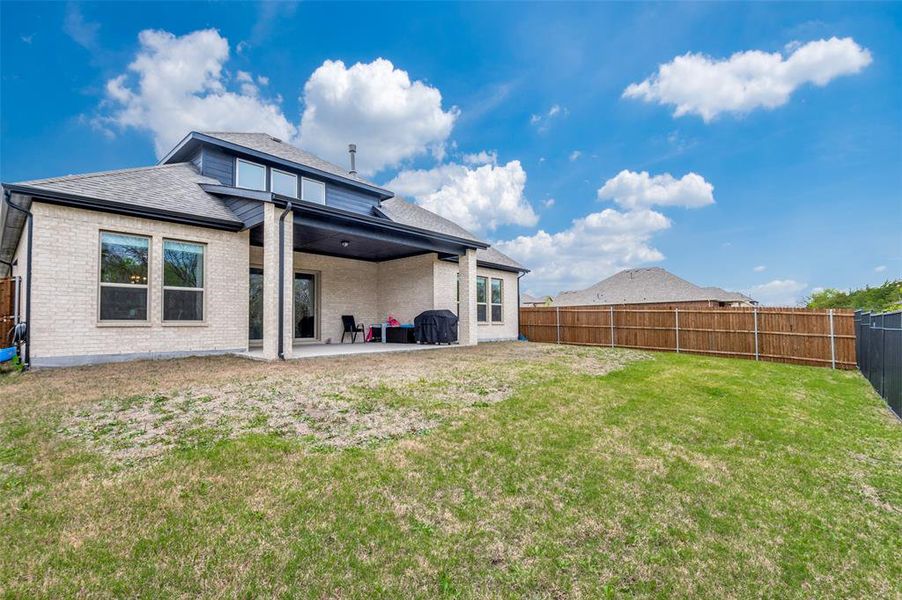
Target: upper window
[
  {"x": 313, "y": 191},
  {"x": 123, "y": 277},
  {"x": 183, "y": 281},
  {"x": 481, "y": 300},
  {"x": 250, "y": 175},
  {"x": 284, "y": 183},
  {"x": 497, "y": 300}
]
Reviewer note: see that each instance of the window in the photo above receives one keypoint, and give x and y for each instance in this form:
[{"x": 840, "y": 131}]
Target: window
[
  {"x": 123, "y": 277},
  {"x": 284, "y": 183},
  {"x": 481, "y": 305},
  {"x": 497, "y": 300},
  {"x": 250, "y": 175},
  {"x": 183, "y": 281},
  {"x": 313, "y": 191}
]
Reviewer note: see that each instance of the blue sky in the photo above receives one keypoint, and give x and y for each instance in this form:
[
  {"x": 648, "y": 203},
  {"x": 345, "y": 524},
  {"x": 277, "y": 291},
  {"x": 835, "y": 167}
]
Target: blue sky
[{"x": 783, "y": 175}]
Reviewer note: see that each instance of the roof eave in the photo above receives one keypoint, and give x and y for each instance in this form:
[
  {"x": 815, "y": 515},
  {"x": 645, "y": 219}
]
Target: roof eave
[{"x": 99, "y": 204}]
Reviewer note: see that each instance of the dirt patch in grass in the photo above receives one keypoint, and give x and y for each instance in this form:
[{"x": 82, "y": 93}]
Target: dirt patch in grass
[{"x": 338, "y": 403}]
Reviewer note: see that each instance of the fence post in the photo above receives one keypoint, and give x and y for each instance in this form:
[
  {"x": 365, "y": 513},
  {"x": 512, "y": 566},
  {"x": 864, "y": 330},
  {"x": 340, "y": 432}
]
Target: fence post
[
  {"x": 832, "y": 342},
  {"x": 676, "y": 316},
  {"x": 755, "y": 311},
  {"x": 612, "y": 326},
  {"x": 557, "y": 311}
]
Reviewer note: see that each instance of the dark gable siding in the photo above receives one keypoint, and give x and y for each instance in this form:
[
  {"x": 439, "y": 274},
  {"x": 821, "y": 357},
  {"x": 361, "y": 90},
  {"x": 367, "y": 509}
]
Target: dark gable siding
[
  {"x": 346, "y": 198},
  {"x": 249, "y": 211},
  {"x": 218, "y": 165}
]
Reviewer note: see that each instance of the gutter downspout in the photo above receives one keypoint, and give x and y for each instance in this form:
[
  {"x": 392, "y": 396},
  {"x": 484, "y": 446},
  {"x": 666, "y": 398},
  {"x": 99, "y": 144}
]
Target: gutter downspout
[
  {"x": 281, "y": 279},
  {"x": 30, "y": 218},
  {"x": 519, "y": 277}
]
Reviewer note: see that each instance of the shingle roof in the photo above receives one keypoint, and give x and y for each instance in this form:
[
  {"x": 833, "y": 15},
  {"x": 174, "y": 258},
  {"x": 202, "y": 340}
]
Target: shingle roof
[
  {"x": 172, "y": 188},
  {"x": 407, "y": 213},
  {"x": 263, "y": 142},
  {"x": 640, "y": 286}
]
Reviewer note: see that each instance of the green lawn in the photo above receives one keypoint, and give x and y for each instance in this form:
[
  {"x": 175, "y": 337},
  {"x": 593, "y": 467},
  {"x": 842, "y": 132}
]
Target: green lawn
[{"x": 507, "y": 470}]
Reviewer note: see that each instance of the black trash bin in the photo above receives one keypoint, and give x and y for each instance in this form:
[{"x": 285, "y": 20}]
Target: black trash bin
[{"x": 436, "y": 327}]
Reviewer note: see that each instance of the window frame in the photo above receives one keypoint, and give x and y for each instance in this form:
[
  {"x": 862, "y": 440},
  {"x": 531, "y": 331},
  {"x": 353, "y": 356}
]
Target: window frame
[
  {"x": 322, "y": 183},
  {"x": 238, "y": 171},
  {"x": 493, "y": 304},
  {"x": 101, "y": 284},
  {"x": 164, "y": 287},
  {"x": 486, "y": 303},
  {"x": 272, "y": 187}
]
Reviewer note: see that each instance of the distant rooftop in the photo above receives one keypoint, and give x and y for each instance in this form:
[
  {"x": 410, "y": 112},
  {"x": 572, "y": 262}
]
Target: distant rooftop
[{"x": 646, "y": 286}]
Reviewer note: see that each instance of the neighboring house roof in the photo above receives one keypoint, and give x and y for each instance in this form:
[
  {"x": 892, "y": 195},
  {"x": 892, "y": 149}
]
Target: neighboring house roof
[
  {"x": 722, "y": 295},
  {"x": 530, "y": 300},
  {"x": 401, "y": 211},
  {"x": 643, "y": 286},
  {"x": 164, "y": 188}
]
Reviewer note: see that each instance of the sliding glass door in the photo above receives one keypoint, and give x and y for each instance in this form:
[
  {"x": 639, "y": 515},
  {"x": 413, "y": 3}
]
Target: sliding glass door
[
  {"x": 305, "y": 306},
  {"x": 305, "y": 309}
]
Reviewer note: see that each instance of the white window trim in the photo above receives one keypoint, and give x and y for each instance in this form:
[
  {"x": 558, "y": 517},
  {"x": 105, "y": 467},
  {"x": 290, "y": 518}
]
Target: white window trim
[
  {"x": 273, "y": 171},
  {"x": 202, "y": 289},
  {"x": 247, "y": 162},
  {"x": 322, "y": 183},
  {"x": 494, "y": 304},
  {"x": 101, "y": 284},
  {"x": 487, "y": 304}
]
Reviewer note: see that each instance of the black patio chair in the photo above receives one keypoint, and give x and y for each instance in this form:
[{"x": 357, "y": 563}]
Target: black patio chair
[{"x": 352, "y": 328}]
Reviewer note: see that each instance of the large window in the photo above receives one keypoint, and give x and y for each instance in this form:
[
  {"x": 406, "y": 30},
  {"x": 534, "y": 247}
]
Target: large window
[
  {"x": 284, "y": 183},
  {"x": 481, "y": 300},
  {"x": 123, "y": 277},
  {"x": 497, "y": 300},
  {"x": 183, "y": 281},
  {"x": 313, "y": 191},
  {"x": 250, "y": 175}
]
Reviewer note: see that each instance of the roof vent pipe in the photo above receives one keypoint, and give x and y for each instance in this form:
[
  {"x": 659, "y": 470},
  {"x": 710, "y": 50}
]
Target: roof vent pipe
[{"x": 352, "y": 150}]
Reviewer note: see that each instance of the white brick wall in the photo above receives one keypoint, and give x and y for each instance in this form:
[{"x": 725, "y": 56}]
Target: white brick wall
[
  {"x": 65, "y": 288},
  {"x": 65, "y": 325},
  {"x": 446, "y": 294}
]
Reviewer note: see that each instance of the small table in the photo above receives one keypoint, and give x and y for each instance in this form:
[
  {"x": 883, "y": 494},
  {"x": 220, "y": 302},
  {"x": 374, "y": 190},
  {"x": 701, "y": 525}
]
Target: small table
[{"x": 394, "y": 334}]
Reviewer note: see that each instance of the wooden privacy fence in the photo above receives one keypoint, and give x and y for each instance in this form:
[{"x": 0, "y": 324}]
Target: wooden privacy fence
[{"x": 791, "y": 335}]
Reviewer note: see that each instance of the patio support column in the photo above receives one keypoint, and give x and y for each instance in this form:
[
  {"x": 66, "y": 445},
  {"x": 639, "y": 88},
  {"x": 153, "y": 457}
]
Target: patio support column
[
  {"x": 467, "y": 326},
  {"x": 271, "y": 217}
]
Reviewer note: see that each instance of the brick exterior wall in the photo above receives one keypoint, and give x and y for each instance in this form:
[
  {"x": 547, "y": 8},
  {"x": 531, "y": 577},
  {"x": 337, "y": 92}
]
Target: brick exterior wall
[
  {"x": 446, "y": 297},
  {"x": 65, "y": 327},
  {"x": 66, "y": 330}
]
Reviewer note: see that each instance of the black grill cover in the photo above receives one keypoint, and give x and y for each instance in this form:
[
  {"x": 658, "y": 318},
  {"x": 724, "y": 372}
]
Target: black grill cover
[{"x": 436, "y": 327}]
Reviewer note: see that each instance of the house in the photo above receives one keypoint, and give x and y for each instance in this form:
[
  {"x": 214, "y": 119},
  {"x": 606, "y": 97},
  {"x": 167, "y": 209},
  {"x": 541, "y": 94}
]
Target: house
[
  {"x": 235, "y": 241},
  {"x": 651, "y": 286},
  {"x": 533, "y": 301}
]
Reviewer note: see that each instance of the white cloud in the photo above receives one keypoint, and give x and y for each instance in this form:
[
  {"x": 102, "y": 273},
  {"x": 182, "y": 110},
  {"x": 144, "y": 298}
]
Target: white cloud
[
  {"x": 549, "y": 202},
  {"x": 83, "y": 32},
  {"x": 779, "y": 292},
  {"x": 880, "y": 269},
  {"x": 479, "y": 199},
  {"x": 575, "y": 155},
  {"x": 377, "y": 107},
  {"x": 705, "y": 86},
  {"x": 636, "y": 190},
  {"x": 543, "y": 121},
  {"x": 593, "y": 247},
  {"x": 177, "y": 84},
  {"x": 481, "y": 158},
  {"x": 759, "y": 269}
]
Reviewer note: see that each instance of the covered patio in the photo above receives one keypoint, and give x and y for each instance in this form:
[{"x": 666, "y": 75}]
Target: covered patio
[{"x": 332, "y": 262}]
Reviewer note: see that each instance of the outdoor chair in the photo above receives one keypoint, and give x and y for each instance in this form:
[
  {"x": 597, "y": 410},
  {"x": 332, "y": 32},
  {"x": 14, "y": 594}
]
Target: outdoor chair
[{"x": 352, "y": 328}]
